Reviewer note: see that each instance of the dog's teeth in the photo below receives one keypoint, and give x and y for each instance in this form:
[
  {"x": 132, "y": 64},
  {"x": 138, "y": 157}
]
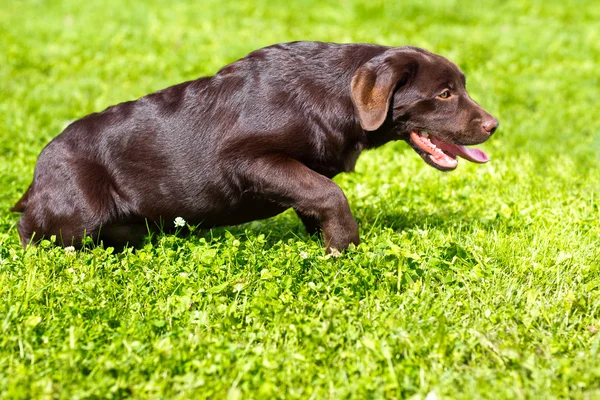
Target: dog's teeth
[{"x": 425, "y": 134}]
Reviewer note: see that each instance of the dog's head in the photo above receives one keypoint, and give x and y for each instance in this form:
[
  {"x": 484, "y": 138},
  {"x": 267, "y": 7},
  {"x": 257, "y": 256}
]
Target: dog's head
[{"x": 423, "y": 96}]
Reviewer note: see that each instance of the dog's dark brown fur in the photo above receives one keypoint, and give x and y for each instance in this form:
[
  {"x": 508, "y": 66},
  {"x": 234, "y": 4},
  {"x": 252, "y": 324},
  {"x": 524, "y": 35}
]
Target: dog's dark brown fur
[{"x": 264, "y": 134}]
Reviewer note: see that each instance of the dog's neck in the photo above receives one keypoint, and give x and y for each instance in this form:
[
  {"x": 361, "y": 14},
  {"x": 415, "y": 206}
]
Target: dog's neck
[{"x": 390, "y": 131}]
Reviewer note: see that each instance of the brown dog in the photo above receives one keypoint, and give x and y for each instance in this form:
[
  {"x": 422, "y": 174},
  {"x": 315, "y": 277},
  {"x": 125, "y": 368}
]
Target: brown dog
[{"x": 264, "y": 134}]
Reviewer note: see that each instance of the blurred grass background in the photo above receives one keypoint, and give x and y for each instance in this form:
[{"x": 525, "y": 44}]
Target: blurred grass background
[{"x": 480, "y": 283}]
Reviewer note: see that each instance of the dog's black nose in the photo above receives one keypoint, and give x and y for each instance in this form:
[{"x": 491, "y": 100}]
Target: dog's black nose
[{"x": 491, "y": 125}]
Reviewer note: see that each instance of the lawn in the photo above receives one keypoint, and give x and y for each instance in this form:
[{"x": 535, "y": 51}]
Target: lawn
[{"x": 479, "y": 283}]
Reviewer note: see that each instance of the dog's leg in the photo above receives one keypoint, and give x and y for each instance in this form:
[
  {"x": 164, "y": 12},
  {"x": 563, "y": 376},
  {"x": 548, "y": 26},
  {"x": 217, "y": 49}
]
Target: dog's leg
[
  {"x": 120, "y": 235},
  {"x": 312, "y": 224},
  {"x": 71, "y": 198},
  {"x": 39, "y": 222},
  {"x": 292, "y": 184}
]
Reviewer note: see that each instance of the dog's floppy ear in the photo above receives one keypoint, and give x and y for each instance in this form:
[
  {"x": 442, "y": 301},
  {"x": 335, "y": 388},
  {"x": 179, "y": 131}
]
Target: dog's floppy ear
[{"x": 374, "y": 83}]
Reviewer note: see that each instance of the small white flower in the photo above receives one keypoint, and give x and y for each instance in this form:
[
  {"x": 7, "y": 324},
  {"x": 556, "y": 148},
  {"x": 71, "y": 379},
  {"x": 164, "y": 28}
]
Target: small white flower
[
  {"x": 431, "y": 396},
  {"x": 335, "y": 253},
  {"x": 183, "y": 274},
  {"x": 303, "y": 255},
  {"x": 70, "y": 250},
  {"x": 179, "y": 222}
]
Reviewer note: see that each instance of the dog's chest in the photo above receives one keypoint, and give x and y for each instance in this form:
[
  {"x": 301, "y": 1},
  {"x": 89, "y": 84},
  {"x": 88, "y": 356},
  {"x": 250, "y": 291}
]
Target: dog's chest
[
  {"x": 350, "y": 157},
  {"x": 342, "y": 161}
]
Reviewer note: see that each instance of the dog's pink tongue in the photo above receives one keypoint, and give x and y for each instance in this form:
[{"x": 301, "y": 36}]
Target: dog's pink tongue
[{"x": 474, "y": 155}]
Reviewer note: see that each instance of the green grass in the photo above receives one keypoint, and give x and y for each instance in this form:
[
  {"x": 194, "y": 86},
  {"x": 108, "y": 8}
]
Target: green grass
[{"x": 479, "y": 283}]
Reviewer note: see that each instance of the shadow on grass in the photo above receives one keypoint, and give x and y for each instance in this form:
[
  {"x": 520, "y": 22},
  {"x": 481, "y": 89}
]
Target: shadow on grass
[{"x": 287, "y": 226}]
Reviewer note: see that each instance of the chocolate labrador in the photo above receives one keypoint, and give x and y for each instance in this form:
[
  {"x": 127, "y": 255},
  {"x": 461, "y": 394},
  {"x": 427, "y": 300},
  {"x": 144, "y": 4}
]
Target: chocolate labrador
[{"x": 262, "y": 135}]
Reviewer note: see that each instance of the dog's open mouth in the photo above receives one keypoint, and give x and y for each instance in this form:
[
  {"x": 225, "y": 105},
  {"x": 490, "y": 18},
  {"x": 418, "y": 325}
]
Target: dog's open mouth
[{"x": 443, "y": 154}]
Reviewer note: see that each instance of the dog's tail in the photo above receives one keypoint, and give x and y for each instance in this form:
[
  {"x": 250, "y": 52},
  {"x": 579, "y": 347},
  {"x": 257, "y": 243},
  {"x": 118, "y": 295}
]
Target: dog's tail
[{"x": 22, "y": 203}]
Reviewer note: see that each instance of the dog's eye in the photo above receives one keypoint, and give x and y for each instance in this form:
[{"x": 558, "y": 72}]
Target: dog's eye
[{"x": 445, "y": 94}]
